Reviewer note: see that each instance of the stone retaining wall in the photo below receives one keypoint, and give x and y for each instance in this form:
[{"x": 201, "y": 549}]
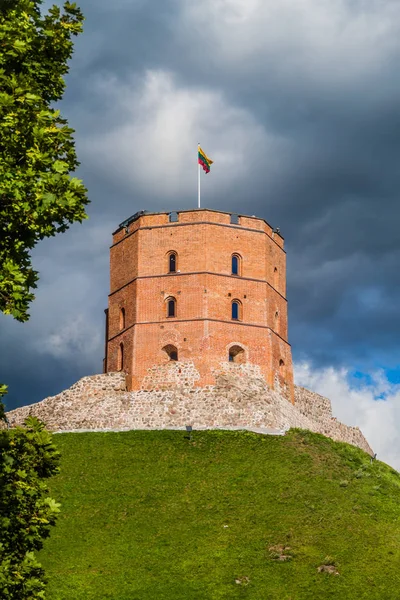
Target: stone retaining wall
[
  {"x": 319, "y": 409},
  {"x": 171, "y": 375},
  {"x": 312, "y": 404},
  {"x": 239, "y": 398}
]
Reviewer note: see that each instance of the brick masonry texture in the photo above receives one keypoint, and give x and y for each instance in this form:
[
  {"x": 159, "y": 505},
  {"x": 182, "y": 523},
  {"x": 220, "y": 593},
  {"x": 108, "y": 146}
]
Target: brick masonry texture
[
  {"x": 203, "y": 286},
  {"x": 238, "y": 397}
]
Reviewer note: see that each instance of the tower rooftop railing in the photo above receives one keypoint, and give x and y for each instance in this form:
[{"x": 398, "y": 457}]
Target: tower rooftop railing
[{"x": 173, "y": 217}]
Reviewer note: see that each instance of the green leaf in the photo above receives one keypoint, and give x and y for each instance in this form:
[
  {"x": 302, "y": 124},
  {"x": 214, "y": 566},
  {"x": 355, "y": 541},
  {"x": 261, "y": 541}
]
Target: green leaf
[
  {"x": 60, "y": 166},
  {"x": 48, "y": 198}
]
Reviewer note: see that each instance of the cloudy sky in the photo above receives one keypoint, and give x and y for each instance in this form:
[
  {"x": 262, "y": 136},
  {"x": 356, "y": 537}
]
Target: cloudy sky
[{"x": 298, "y": 104}]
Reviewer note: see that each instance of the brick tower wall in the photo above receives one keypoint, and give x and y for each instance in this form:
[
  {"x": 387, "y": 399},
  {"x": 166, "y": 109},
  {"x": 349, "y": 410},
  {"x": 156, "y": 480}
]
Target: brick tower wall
[{"x": 204, "y": 288}]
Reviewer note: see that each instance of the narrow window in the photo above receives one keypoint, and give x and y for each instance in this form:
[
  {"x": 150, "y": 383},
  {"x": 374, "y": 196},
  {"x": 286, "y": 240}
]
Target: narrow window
[
  {"x": 173, "y": 217},
  {"x": 171, "y": 307},
  {"x": 275, "y": 278},
  {"x": 171, "y": 351},
  {"x": 235, "y": 264},
  {"x": 277, "y": 322},
  {"x": 236, "y": 354},
  {"x": 120, "y": 365},
  {"x": 235, "y": 310},
  {"x": 281, "y": 368},
  {"x": 172, "y": 262},
  {"x": 122, "y": 318}
]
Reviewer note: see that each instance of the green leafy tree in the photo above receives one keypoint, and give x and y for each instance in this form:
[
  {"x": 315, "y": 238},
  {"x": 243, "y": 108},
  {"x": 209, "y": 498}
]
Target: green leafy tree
[{"x": 39, "y": 197}]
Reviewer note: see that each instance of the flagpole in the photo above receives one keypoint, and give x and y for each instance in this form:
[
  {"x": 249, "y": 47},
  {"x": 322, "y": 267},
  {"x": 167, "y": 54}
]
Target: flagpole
[{"x": 198, "y": 176}]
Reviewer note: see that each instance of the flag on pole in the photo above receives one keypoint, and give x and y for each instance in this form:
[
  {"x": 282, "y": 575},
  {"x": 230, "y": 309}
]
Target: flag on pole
[{"x": 204, "y": 161}]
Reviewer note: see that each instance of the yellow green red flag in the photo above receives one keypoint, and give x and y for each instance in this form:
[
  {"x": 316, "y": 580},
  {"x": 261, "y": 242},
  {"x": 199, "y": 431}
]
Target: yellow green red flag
[{"x": 204, "y": 160}]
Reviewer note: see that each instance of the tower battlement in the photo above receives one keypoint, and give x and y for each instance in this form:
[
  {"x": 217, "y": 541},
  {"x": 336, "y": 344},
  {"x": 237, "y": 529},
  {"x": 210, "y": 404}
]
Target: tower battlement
[{"x": 197, "y": 286}]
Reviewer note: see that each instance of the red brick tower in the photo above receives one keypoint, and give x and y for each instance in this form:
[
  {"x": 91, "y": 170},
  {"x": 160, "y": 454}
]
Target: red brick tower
[{"x": 200, "y": 286}]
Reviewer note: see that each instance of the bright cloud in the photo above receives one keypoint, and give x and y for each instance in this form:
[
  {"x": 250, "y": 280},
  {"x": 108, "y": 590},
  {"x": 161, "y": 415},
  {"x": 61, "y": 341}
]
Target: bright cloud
[
  {"x": 155, "y": 147},
  {"x": 328, "y": 40},
  {"x": 360, "y": 405}
]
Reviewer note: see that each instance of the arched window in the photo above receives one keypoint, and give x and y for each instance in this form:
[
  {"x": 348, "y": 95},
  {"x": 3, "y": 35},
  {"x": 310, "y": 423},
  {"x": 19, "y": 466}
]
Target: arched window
[
  {"x": 171, "y": 307},
  {"x": 172, "y": 262},
  {"x": 122, "y": 318},
  {"x": 235, "y": 264},
  {"x": 171, "y": 351},
  {"x": 236, "y": 310},
  {"x": 281, "y": 368},
  {"x": 120, "y": 361},
  {"x": 236, "y": 354}
]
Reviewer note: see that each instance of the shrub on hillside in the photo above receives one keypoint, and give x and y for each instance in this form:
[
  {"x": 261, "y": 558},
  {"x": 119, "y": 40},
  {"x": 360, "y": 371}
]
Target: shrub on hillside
[{"x": 27, "y": 459}]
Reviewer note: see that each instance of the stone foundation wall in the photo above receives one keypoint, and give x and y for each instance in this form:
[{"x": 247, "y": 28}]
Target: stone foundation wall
[
  {"x": 312, "y": 404},
  {"x": 319, "y": 409},
  {"x": 171, "y": 375},
  {"x": 239, "y": 398}
]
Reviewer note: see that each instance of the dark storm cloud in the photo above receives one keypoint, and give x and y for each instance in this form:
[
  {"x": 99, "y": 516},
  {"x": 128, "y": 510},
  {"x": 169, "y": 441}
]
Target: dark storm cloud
[{"x": 318, "y": 112}]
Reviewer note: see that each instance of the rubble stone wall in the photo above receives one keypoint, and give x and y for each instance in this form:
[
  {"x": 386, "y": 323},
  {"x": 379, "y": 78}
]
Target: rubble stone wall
[
  {"x": 240, "y": 397},
  {"x": 312, "y": 404},
  {"x": 319, "y": 409},
  {"x": 171, "y": 375}
]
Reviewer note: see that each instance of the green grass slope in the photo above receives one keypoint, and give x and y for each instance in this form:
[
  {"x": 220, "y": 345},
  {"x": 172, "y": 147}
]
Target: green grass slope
[{"x": 152, "y": 515}]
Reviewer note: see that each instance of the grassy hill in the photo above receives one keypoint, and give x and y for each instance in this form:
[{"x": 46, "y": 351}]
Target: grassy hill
[{"x": 152, "y": 515}]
